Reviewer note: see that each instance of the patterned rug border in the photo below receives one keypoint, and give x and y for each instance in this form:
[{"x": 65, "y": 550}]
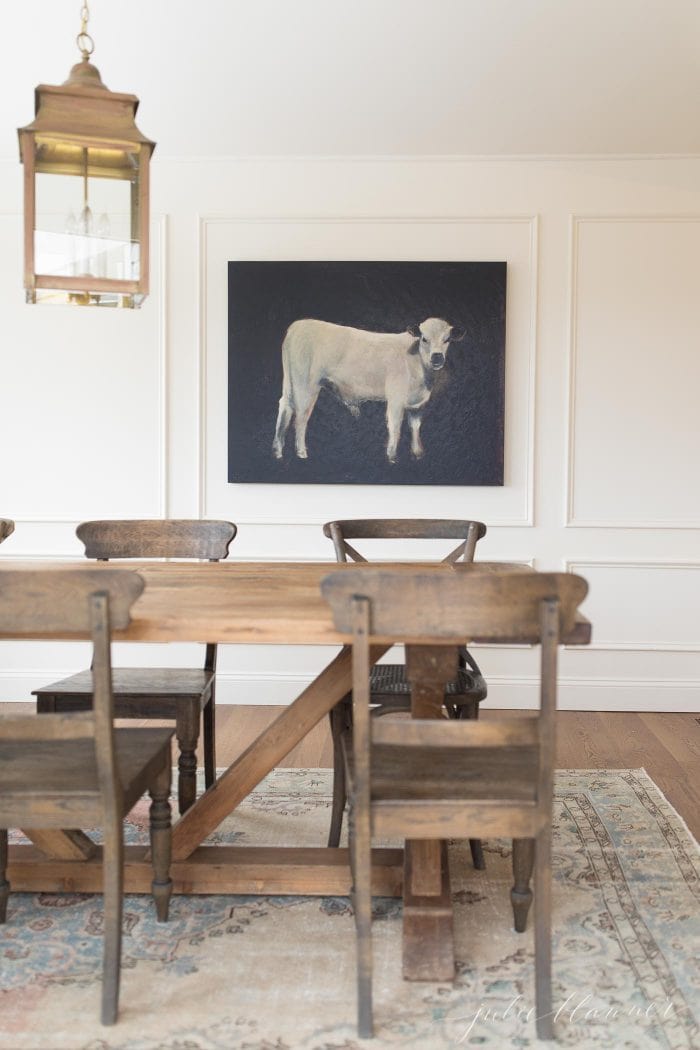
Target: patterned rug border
[
  {"x": 653, "y": 973},
  {"x": 637, "y": 772}
]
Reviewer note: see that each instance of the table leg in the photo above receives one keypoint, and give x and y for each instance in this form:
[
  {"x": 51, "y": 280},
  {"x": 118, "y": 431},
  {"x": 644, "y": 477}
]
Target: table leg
[
  {"x": 266, "y": 752},
  {"x": 428, "y": 941},
  {"x": 428, "y": 936}
]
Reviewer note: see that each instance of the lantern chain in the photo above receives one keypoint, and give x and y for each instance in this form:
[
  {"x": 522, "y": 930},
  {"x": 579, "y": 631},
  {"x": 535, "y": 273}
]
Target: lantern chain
[{"x": 86, "y": 44}]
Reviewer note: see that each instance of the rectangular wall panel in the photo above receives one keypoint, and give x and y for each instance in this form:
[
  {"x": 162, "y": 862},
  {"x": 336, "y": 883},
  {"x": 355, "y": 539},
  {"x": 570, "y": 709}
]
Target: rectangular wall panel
[
  {"x": 638, "y": 606},
  {"x": 82, "y": 402},
  {"x": 635, "y": 424}
]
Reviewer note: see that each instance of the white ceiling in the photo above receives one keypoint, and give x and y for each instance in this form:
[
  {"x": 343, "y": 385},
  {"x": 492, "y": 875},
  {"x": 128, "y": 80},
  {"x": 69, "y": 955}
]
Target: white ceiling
[{"x": 359, "y": 77}]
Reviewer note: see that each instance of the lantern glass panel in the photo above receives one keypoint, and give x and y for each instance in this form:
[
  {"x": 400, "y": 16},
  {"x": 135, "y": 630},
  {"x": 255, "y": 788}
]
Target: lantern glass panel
[{"x": 87, "y": 221}]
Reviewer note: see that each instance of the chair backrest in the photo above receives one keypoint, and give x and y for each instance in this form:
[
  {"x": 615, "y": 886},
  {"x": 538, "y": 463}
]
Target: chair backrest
[
  {"x": 431, "y": 606},
  {"x": 159, "y": 538},
  {"x": 64, "y": 602},
  {"x": 7, "y": 527},
  {"x": 156, "y": 538},
  {"x": 434, "y": 604},
  {"x": 468, "y": 532}
]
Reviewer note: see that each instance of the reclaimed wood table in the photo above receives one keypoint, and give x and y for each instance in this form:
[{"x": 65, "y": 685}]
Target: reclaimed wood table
[{"x": 270, "y": 603}]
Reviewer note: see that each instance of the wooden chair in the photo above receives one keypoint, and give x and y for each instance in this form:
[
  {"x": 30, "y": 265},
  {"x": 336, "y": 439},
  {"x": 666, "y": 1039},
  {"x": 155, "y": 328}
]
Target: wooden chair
[
  {"x": 441, "y": 778},
  {"x": 7, "y": 527},
  {"x": 185, "y": 695},
  {"x": 72, "y": 770},
  {"x": 388, "y": 684}
]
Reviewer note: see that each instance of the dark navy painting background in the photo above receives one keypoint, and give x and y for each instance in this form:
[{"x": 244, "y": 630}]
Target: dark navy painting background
[{"x": 462, "y": 427}]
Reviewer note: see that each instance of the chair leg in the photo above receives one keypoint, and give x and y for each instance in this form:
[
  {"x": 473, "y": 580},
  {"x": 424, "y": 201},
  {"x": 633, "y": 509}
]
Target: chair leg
[
  {"x": 465, "y": 711},
  {"x": 360, "y": 846},
  {"x": 521, "y": 894},
  {"x": 338, "y": 718},
  {"x": 4, "y": 884},
  {"x": 162, "y": 884},
  {"x": 187, "y": 733},
  {"x": 209, "y": 740},
  {"x": 543, "y": 933},
  {"x": 113, "y": 890},
  {"x": 477, "y": 854}
]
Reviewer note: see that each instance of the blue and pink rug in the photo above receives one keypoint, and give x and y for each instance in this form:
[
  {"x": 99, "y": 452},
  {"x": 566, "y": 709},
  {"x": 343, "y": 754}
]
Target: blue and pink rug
[{"x": 277, "y": 973}]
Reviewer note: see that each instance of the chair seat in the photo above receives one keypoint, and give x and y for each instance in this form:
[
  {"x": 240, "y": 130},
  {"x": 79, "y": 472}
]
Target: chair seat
[
  {"x": 138, "y": 682},
  {"x": 54, "y": 772},
  {"x": 390, "y": 680},
  {"x": 183, "y": 694}
]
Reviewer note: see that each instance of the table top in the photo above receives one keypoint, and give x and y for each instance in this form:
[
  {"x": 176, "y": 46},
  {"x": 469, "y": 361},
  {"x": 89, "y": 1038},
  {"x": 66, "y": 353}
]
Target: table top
[{"x": 270, "y": 603}]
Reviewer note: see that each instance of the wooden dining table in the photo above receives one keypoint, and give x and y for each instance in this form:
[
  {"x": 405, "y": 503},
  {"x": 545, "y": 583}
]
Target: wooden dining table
[{"x": 261, "y": 603}]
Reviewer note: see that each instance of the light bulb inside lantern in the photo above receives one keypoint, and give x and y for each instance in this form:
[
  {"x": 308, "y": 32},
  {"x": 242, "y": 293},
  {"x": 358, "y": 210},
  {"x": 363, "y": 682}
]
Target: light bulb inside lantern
[
  {"x": 71, "y": 230},
  {"x": 85, "y": 221}
]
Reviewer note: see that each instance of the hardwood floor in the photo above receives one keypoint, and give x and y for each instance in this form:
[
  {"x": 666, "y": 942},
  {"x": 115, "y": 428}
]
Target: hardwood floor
[{"x": 666, "y": 745}]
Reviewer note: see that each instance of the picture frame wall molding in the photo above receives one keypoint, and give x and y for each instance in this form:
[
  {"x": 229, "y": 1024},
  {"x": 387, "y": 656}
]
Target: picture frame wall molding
[
  {"x": 576, "y": 222},
  {"x": 584, "y": 565},
  {"x": 520, "y": 512}
]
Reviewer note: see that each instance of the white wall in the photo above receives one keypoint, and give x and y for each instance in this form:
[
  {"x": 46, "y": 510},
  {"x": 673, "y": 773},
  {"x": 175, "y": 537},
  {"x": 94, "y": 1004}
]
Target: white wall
[{"x": 124, "y": 413}]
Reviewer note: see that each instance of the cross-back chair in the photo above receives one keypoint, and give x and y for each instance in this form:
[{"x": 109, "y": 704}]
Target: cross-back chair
[
  {"x": 443, "y": 778},
  {"x": 389, "y": 686},
  {"x": 7, "y": 527},
  {"x": 186, "y": 695},
  {"x": 76, "y": 770}
]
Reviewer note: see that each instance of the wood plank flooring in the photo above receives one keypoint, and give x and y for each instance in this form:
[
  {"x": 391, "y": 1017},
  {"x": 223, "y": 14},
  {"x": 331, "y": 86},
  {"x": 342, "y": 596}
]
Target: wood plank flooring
[{"x": 666, "y": 745}]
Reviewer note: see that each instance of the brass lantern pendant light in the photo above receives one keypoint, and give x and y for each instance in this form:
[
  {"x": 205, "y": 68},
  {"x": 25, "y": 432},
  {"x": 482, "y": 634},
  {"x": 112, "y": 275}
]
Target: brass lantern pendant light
[{"x": 86, "y": 179}]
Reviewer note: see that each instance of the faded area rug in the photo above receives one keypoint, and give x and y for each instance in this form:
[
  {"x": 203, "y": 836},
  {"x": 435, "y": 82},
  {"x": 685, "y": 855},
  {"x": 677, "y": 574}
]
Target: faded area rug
[{"x": 277, "y": 973}]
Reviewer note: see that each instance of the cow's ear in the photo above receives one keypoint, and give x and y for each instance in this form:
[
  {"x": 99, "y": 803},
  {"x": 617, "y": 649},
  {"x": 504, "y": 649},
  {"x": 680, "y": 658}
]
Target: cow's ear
[
  {"x": 414, "y": 330},
  {"x": 457, "y": 334}
]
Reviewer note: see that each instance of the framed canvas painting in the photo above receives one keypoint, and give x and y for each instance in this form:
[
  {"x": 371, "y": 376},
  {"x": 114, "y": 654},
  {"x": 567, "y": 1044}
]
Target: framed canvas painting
[{"x": 386, "y": 373}]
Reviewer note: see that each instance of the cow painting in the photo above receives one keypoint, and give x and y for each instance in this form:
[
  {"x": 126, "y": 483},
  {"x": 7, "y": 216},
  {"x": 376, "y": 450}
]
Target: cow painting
[
  {"x": 358, "y": 366},
  {"x": 362, "y": 372}
]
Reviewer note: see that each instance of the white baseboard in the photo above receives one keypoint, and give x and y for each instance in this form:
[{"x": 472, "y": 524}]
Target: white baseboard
[
  {"x": 575, "y": 694},
  {"x": 600, "y": 694}
]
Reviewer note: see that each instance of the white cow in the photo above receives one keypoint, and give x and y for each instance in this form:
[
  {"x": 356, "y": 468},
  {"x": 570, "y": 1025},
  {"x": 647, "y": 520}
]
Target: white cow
[{"x": 360, "y": 366}]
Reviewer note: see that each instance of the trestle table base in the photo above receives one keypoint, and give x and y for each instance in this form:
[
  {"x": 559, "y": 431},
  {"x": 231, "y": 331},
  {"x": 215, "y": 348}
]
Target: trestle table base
[{"x": 264, "y": 870}]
